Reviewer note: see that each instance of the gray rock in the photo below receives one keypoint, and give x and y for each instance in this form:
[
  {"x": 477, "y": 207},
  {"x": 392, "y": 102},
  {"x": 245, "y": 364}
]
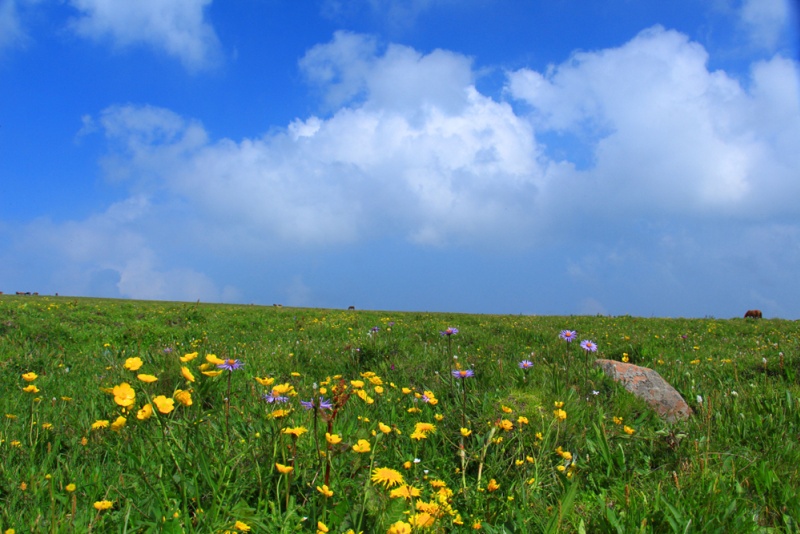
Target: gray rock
[{"x": 648, "y": 385}]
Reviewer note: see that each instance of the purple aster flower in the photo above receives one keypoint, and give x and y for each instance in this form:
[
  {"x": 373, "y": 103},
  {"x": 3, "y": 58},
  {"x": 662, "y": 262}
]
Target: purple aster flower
[
  {"x": 568, "y": 335},
  {"x": 167, "y": 350},
  {"x": 323, "y": 404},
  {"x": 375, "y": 329},
  {"x": 588, "y": 346},
  {"x": 449, "y": 331},
  {"x": 463, "y": 373},
  {"x": 525, "y": 364},
  {"x": 230, "y": 365},
  {"x": 425, "y": 398},
  {"x": 270, "y": 398}
]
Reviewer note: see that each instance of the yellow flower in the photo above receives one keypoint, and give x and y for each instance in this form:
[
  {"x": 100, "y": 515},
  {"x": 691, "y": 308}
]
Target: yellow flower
[
  {"x": 70, "y": 488},
  {"x": 47, "y": 426},
  {"x": 522, "y": 420},
  {"x": 145, "y": 412},
  {"x": 357, "y": 383},
  {"x": 133, "y": 364},
  {"x": 187, "y": 374},
  {"x": 628, "y": 430},
  {"x": 10, "y": 531},
  {"x": 117, "y": 425},
  {"x": 30, "y": 377},
  {"x": 560, "y": 414},
  {"x": 188, "y": 357},
  {"x": 283, "y": 389},
  {"x": 422, "y": 520},
  {"x": 332, "y": 439},
  {"x": 321, "y": 528},
  {"x": 147, "y": 378},
  {"x": 243, "y": 527},
  {"x": 558, "y": 404},
  {"x": 277, "y": 414},
  {"x": 100, "y": 424},
  {"x": 103, "y": 505},
  {"x": 406, "y": 391},
  {"x": 424, "y": 427},
  {"x": 212, "y": 359},
  {"x": 404, "y": 491},
  {"x": 625, "y": 358},
  {"x": 387, "y": 476},
  {"x": 265, "y": 381},
  {"x": 23, "y": 485},
  {"x": 296, "y": 431},
  {"x": 184, "y": 397},
  {"x": 363, "y": 396},
  {"x": 506, "y": 425},
  {"x": 466, "y": 432},
  {"x": 124, "y": 395},
  {"x": 493, "y": 485},
  {"x": 285, "y": 469},
  {"x": 30, "y": 388},
  {"x": 325, "y": 490},
  {"x": 617, "y": 420},
  {"x": 379, "y": 390},
  {"x": 506, "y": 409},
  {"x": 477, "y": 525},
  {"x": 419, "y": 436},
  {"x": 399, "y": 527},
  {"x": 384, "y": 428},
  {"x": 362, "y": 446},
  {"x": 164, "y": 404}
]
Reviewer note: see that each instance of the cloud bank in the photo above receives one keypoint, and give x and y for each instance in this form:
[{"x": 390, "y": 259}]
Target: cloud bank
[{"x": 641, "y": 142}]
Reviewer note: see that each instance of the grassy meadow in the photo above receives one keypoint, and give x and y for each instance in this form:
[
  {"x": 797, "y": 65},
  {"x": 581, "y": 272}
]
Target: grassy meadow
[{"x": 126, "y": 416}]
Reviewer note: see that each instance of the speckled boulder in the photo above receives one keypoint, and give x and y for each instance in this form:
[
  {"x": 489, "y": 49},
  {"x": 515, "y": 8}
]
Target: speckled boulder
[{"x": 648, "y": 385}]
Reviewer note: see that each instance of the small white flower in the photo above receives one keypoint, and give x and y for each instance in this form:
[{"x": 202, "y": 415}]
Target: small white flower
[
  {"x": 595, "y": 392},
  {"x": 734, "y": 394},
  {"x": 699, "y": 399}
]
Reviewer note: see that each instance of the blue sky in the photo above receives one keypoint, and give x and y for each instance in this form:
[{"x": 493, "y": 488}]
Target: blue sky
[{"x": 483, "y": 156}]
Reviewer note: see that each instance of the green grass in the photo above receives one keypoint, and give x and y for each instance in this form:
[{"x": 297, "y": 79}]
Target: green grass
[{"x": 733, "y": 467}]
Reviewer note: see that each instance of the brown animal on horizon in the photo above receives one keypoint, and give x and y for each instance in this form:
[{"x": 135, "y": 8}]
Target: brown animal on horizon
[
  {"x": 755, "y": 314},
  {"x": 351, "y": 308}
]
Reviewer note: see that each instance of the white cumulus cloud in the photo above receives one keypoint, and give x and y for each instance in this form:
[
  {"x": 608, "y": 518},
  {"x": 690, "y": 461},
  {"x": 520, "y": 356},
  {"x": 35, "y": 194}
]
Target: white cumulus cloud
[
  {"x": 669, "y": 137},
  {"x": 177, "y": 27}
]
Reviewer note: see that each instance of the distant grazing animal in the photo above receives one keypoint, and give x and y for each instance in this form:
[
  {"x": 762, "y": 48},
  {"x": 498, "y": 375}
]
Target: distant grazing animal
[
  {"x": 755, "y": 314},
  {"x": 351, "y": 308}
]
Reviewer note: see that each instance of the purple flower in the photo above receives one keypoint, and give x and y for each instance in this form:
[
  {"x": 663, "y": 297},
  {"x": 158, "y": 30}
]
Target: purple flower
[
  {"x": 230, "y": 365},
  {"x": 167, "y": 350},
  {"x": 375, "y": 329},
  {"x": 449, "y": 331},
  {"x": 588, "y": 346},
  {"x": 270, "y": 398},
  {"x": 568, "y": 335},
  {"x": 425, "y": 398},
  {"x": 525, "y": 364},
  {"x": 323, "y": 404},
  {"x": 390, "y": 324},
  {"x": 463, "y": 373}
]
